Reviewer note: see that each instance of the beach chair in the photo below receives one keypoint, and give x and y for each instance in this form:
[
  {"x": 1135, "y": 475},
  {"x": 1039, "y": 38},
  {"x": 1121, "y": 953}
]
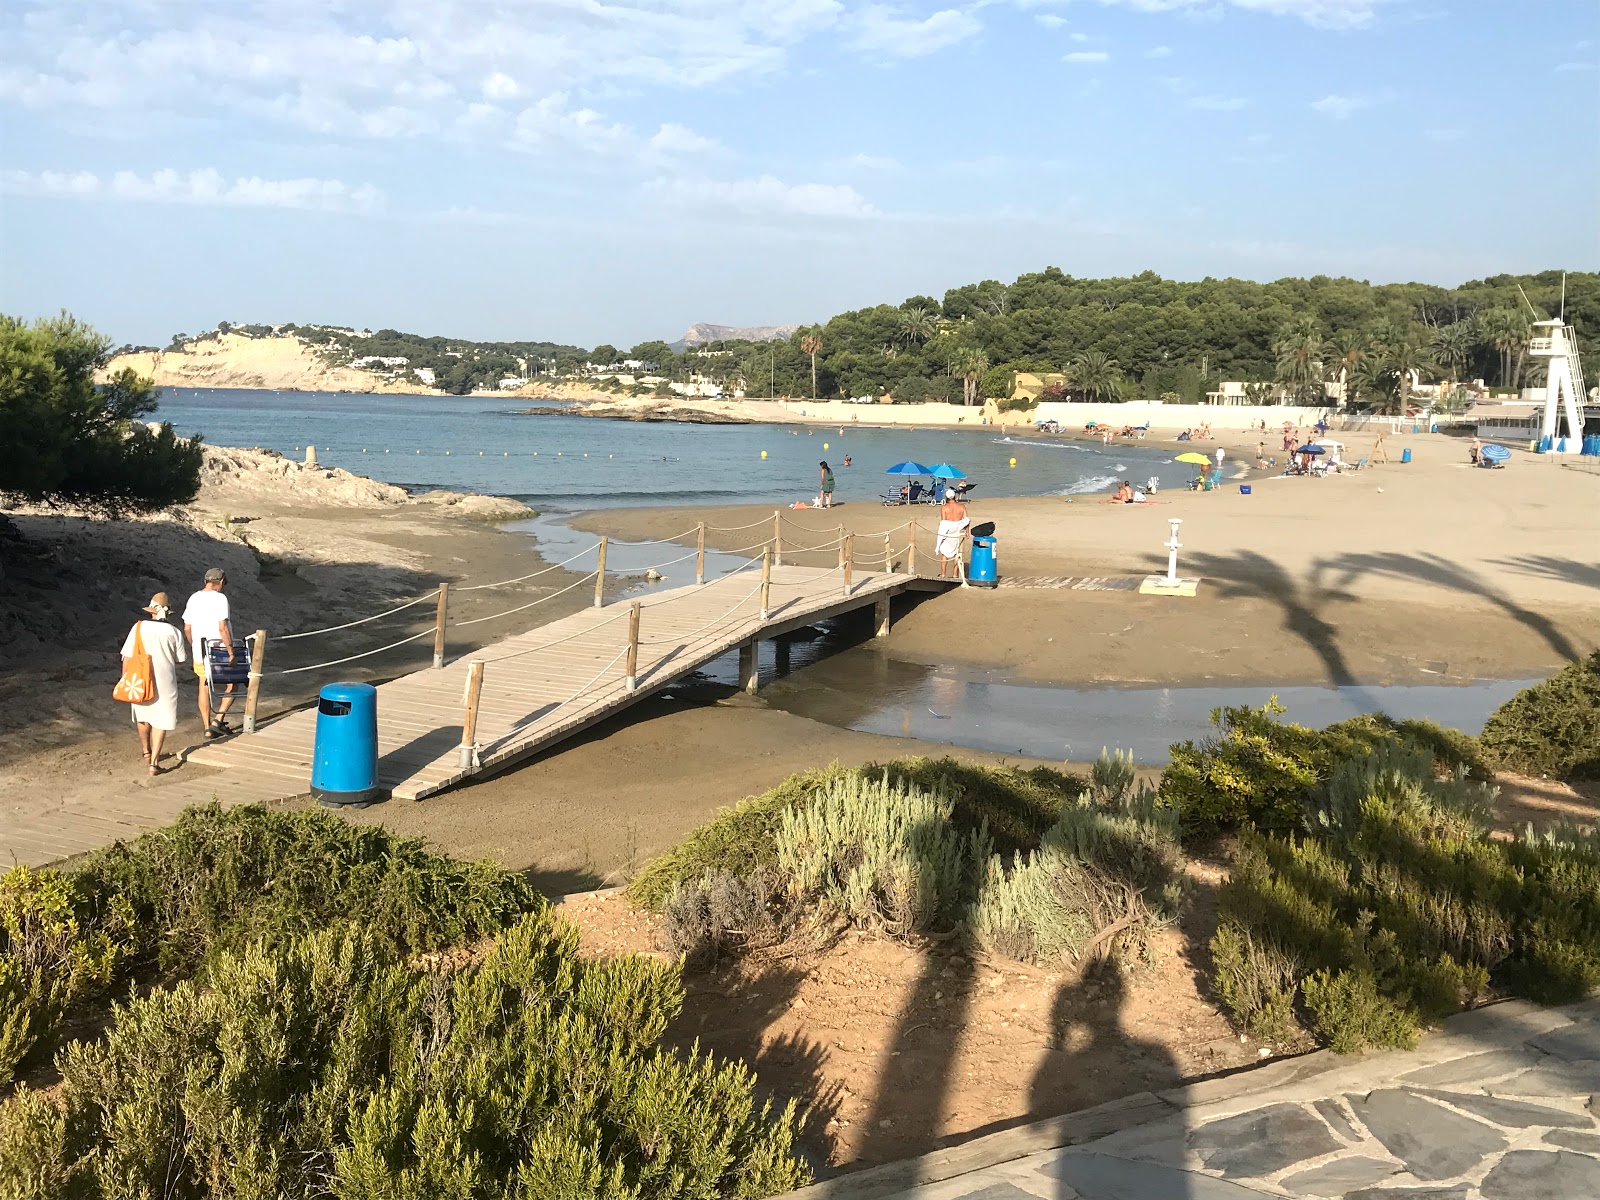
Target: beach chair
[
  {"x": 1356, "y": 466},
  {"x": 914, "y": 496},
  {"x": 222, "y": 674}
]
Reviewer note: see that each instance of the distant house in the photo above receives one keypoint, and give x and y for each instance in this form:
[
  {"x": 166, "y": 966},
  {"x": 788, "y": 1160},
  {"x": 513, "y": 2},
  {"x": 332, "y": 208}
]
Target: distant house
[
  {"x": 511, "y": 382},
  {"x": 367, "y": 362},
  {"x": 425, "y": 374},
  {"x": 1030, "y": 386}
]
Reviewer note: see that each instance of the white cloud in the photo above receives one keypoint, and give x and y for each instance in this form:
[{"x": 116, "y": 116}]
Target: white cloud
[
  {"x": 880, "y": 29},
  {"x": 767, "y": 197},
  {"x": 1086, "y": 56},
  {"x": 1326, "y": 14},
  {"x": 1051, "y": 20},
  {"x": 680, "y": 139},
  {"x": 1159, "y": 52},
  {"x": 1339, "y": 106},
  {"x": 500, "y": 86},
  {"x": 1216, "y": 103},
  {"x": 205, "y": 187},
  {"x": 1577, "y": 66}
]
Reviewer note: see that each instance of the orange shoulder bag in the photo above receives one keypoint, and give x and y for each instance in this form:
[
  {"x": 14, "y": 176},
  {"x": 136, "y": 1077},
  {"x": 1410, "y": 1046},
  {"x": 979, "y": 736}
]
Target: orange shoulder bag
[{"x": 138, "y": 682}]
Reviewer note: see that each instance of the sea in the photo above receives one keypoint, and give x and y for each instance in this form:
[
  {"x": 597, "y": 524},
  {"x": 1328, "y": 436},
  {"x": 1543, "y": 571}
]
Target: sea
[{"x": 572, "y": 463}]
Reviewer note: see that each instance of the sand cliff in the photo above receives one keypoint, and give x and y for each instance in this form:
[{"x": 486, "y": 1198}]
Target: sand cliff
[{"x": 234, "y": 361}]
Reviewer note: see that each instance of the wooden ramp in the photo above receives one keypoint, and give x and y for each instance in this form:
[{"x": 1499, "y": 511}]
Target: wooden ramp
[{"x": 545, "y": 685}]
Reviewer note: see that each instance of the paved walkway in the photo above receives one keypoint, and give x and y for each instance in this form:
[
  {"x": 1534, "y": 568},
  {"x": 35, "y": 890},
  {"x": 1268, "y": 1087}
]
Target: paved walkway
[{"x": 1501, "y": 1104}]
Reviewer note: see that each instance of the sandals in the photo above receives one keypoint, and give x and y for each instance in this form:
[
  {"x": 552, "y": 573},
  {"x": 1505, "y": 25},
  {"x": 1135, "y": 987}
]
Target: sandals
[{"x": 218, "y": 728}]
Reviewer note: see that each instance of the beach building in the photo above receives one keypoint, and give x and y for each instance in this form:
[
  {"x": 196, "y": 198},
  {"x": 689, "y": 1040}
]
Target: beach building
[{"x": 1030, "y": 386}]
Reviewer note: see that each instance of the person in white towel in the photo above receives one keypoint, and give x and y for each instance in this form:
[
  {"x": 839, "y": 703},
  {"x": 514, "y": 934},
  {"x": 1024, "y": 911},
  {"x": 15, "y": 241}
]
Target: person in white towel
[{"x": 953, "y": 522}]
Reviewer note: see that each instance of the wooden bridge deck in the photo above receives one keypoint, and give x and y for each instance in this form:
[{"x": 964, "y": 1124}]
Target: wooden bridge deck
[{"x": 547, "y": 684}]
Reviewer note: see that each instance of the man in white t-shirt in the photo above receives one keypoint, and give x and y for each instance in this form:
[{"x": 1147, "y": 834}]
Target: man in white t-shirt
[{"x": 206, "y": 618}]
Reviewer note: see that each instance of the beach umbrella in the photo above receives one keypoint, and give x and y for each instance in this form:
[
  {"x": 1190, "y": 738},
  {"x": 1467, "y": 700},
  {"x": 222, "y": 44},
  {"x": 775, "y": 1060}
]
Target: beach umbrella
[
  {"x": 1192, "y": 457},
  {"x": 1494, "y": 453},
  {"x": 946, "y": 471},
  {"x": 1309, "y": 449},
  {"x": 907, "y": 468}
]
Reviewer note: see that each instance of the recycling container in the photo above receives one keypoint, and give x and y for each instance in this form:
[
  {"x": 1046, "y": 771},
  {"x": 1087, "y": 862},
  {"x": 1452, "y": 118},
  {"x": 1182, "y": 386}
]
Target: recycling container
[
  {"x": 344, "y": 760},
  {"x": 1405, "y": 455},
  {"x": 1244, "y": 489},
  {"x": 981, "y": 568}
]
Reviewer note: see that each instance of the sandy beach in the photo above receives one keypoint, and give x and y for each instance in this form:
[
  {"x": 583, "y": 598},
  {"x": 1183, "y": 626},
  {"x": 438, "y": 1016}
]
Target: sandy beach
[{"x": 1428, "y": 571}]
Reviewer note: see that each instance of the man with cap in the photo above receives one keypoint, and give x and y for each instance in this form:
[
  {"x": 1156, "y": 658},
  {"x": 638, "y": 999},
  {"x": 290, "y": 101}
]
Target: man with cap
[{"x": 206, "y": 618}]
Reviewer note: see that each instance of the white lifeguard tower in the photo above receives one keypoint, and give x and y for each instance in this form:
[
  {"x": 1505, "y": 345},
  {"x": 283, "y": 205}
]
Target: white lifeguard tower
[{"x": 1563, "y": 389}]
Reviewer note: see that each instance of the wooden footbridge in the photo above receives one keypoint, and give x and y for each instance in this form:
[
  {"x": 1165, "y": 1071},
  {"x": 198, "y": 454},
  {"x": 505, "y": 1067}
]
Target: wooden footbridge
[{"x": 446, "y": 723}]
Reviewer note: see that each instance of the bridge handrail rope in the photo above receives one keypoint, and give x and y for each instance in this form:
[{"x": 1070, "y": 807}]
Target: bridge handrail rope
[
  {"x": 512, "y": 738},
  {"x": 289, "y": 637},
  {"x": 364, "y": 654},
  {"x": 735, "y": 528},
  {"x": 478, "y": 587},
  {"x": 520, "y": 608},
  {"x": 622, "y": 612},
  {"x": 662, "y": 602},
  {"x": 659, "y": 541},
  {"x": 715, "y": 621}
]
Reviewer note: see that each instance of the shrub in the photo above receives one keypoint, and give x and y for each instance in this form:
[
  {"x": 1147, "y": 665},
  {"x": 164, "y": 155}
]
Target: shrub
[
  {"x": 1350, "y": 1013},
  {"x": 1018, "y": 404},
  {"x": 722, "y": 914},
  {"x": 55, "y": 951},
  {"x": 882, "y": 855},
  {"x": 1016, "y": 805},
  {"x": 218, "y": 879},
  {"x": 1552, "y": 728},
  {"x": 323, "y": 1066},
  {"x": 1103, "y": 878}
]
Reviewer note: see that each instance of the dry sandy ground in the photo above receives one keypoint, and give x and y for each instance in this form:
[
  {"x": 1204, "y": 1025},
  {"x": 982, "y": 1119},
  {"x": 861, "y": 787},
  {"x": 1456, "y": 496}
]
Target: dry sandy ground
[{"x": 1424, "y": 572}]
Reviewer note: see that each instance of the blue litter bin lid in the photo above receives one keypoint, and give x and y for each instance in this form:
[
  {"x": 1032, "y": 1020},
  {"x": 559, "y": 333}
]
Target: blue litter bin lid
[{"x": 346, "y": 691}]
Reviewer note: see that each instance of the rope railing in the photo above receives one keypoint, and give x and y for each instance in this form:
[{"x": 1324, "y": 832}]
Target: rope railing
[
  {"x": 364, "y": 654},
  {"x": 523, "y": 607},
  {"x": 478, "y": 587},
  {"x": 289, "y": 637},
  {"x": 717, "y": 620}
]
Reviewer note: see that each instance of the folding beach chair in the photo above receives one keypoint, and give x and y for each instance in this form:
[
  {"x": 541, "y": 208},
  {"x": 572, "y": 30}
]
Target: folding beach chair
[{"x": 222, "y": 674}]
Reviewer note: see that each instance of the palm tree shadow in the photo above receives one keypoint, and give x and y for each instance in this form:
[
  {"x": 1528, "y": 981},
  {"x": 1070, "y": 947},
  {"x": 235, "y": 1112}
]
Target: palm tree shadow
[{"x": 1561, "y": 570}]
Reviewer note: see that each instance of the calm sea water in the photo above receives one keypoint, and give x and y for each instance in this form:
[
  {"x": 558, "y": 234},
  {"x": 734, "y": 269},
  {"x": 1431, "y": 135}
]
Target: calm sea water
[{"x": 481, "y": 444}]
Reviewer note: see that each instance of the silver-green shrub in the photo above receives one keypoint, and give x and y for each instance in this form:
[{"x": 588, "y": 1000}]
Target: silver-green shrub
[{"x": 882, "y": 855}]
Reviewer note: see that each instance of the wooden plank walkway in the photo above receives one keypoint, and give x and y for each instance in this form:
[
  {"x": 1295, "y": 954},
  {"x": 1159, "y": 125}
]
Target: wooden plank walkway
[{"x": 547, "y": 684}]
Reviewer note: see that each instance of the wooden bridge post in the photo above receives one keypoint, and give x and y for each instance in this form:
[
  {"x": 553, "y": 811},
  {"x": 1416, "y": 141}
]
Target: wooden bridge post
[
  {"x": 911, "y": 550},
  {"x": 600, "y": 576},
  {"x": 438, "y": 626},
  {"x": 750, "y": 666},
  {"x": 848, "y": 552},
  {"x": 881, "y": 617},
  {"x": 633, "y": 646},
  {"x": 467, "y": 752},
  {"x": 766, "y": 582},
  {"x": 700, "y": 555},
  {"x": 888, "y": 556},
  {"x": 252, "y": 691},
  {"x": 777, "y": 535}
]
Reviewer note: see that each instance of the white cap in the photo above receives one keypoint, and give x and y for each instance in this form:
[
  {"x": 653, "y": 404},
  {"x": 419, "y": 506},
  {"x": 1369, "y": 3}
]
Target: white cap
[{"x": 949, "y": 493}]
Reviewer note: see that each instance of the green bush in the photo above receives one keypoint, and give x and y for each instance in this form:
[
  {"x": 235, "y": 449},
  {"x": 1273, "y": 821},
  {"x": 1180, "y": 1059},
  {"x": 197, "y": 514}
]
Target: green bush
[
  {"x": 217, "y": 879},
  {"x": 1351, "y": 1014},
  {"x": 1104, "y": 877},
  {"x": 55, "y": 952},
  {"x": 1016, "y": 805},
  {"x": 883, "y": 856},
  {"x": 324, "y": 1066},
  {"x": 1552, "y": 728}
]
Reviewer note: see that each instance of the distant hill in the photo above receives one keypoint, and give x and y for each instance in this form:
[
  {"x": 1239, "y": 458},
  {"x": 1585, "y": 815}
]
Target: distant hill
[{"x": 701, "y": 333}]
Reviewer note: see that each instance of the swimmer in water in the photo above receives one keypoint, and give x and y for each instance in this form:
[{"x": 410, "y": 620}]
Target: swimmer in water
[{"x": 847, "y": 460}]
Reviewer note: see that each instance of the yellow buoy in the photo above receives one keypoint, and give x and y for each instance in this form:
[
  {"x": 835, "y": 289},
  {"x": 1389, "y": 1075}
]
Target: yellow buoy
[
  {"x": 611, "y": 456},
  {"x": 386, "y": 452},
  {"x": 763, "y": 454},
  {"x": 1013, "y": 462},
  {"x": 505, "y": 454},
  {"x": 419, "y": 451},
  {"x": 824, "y": 445},
  {"x": 480, "y": 453},
  {"x": 363, "y": 449},
  {"x": 447, "y": 452},
  {"x": 586, "y": 454}
]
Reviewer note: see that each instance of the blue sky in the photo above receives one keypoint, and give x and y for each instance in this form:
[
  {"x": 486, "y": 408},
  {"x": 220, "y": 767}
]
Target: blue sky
[{"x": 588, "y": 170}]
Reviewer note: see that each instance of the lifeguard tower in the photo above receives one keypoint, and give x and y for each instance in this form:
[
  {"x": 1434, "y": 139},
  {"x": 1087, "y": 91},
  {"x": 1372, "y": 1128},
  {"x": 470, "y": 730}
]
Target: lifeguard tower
[{"x": 1563, "y": 390}]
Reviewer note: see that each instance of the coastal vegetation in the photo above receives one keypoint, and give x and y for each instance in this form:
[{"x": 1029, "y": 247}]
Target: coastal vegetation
[
  {"x": 1552, "y": 728},
  {"x": 70, "y": 441}
]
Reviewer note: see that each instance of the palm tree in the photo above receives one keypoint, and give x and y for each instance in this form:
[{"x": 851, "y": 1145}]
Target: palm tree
[
  {"x": 1095, "y": 374},
  {"x": 1507, "y": 331},
  {"x": 1403, "y": 359},
  {"x": 1452, "y": 346},
  {"x": 1298, "y": 350},
  {"x": 917, "y": 325},
  {"x": 1346, "y": 351},
  {"x": 811, "y": 344},
  {"x": 970, "y": 363}
]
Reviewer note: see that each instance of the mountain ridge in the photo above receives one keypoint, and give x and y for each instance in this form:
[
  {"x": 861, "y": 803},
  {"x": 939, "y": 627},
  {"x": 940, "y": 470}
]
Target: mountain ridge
[{"x": 702, "y": 332}]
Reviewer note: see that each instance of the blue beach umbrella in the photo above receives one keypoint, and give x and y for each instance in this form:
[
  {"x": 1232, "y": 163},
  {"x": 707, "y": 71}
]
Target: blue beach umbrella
[
  {"x": 907, "y": 468},
  {"x": 1309, "y": 449},
  {"x": 946, "y": 471},
  {"x": 1494, "y": 453}
]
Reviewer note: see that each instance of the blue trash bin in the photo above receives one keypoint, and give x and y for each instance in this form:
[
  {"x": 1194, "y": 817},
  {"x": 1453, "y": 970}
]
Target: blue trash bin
[
  {"x": 1405, "y": 456},
  {"x": 981, "y": 570},
  {"x": 344, "y": 762}
]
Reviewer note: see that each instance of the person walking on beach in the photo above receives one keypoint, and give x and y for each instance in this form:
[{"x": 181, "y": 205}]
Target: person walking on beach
[
  {"x": 1221, "y": 454},
  {"x": 207, "y": 618},
  {"x": 159, "y": 639},
  {"x": 827, "y": 484},
  {"x": 953, "y": 522},
  {"x": 1261, "y": 454}
]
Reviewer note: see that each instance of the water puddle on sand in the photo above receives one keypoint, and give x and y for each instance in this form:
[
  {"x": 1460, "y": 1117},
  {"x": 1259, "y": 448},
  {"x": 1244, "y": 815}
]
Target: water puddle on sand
[{"x": 826, "y": 674}]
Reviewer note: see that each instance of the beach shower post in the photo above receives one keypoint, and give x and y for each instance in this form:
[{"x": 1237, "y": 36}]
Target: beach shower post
[
  {"x": 1169, "y": 584},
  {"x": 1172, "y": 552}
]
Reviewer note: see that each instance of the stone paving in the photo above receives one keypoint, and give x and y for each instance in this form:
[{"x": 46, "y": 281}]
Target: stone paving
[{"x": 1501, "y": 1104}]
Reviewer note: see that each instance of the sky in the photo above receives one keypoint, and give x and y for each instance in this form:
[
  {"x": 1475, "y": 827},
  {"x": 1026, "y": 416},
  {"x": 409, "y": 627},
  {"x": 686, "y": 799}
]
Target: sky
[{"x": 613, "y": 170}]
